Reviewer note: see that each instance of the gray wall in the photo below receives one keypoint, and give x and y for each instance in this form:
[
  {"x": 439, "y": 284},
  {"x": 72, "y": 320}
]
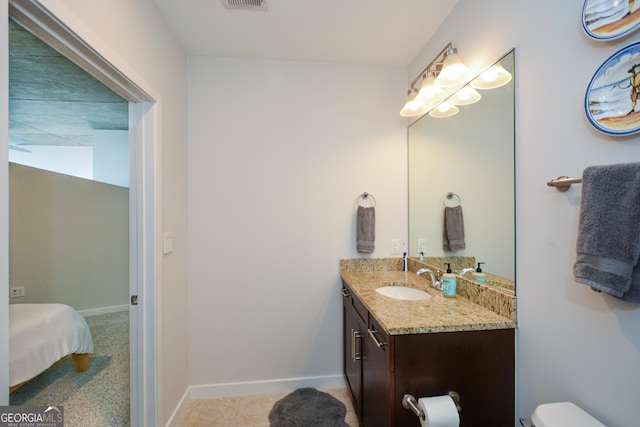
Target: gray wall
[
  {"x": 279, "y": 152},
  {"x": 69, "y": 239}
]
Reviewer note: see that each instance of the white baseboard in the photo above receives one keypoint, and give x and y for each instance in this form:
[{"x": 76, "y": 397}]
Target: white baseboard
[
  {"x": 104, "y": 310},
  {"x": 180, "y": 410},
  {"x": 210, "y": 391}
]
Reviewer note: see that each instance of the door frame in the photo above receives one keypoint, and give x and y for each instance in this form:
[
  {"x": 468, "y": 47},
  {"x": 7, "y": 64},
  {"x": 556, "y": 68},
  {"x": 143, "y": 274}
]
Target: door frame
[{"x": 143, "y": 203}]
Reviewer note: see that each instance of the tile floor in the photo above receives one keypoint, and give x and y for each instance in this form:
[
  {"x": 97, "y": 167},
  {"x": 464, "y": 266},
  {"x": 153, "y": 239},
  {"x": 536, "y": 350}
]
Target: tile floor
[{"x": 247, "y": 411}]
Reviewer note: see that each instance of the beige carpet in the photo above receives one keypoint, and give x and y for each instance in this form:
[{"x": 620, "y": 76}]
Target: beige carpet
[{"x": 98, "y": 397}]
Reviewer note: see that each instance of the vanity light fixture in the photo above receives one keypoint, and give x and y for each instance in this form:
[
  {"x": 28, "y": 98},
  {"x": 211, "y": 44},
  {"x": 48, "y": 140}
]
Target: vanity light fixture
[
  {"x": 493, "y": 77},
  {"x": 413, "y": 107},
  {"x": 444, "y": 74},
  {"x": 446, "y": 79},
  {"x": 430, "y": 93},
  {"x": 454, "y": 72}
]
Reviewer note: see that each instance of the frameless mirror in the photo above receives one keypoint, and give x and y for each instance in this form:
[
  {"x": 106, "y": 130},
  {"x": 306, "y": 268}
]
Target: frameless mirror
[{"x": 467, "y": 160}]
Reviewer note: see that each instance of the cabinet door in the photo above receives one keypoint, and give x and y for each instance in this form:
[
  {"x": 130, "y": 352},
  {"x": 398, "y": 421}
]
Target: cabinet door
[
  {"x": 376, "y": 382},
  {"x": 353, "y": 328},
  {"x": 479, "y": 365}
]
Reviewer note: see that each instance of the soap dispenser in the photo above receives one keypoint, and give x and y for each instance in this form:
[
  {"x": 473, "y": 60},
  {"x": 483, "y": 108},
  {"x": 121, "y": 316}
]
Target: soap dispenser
[
  {"x": 478, "y": 275},
  {"x": 449, "y": 283}
]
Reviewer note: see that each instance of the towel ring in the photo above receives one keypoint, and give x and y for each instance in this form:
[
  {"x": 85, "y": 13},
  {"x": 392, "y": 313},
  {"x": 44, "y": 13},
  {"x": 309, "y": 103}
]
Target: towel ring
[
  {"x": 452, "y": 198},
  {"x": 364, "y": 197}
]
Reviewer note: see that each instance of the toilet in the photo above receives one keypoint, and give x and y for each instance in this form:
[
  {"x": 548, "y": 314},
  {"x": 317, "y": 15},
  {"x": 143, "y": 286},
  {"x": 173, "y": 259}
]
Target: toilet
[{"x": 562, "y": 414}]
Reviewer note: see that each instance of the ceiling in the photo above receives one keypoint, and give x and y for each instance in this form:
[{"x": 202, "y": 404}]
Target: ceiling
[
  {"x": 359, "y": 31},
  {"x": 54, "y": 102}
]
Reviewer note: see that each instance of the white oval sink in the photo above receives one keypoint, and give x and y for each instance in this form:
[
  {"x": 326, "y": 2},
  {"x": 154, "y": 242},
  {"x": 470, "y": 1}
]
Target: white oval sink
[{"x": 403, "y": 292}]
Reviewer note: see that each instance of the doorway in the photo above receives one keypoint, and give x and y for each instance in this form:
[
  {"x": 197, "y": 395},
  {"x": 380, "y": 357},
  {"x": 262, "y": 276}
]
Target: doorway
[{"x": 142, "y": 201}]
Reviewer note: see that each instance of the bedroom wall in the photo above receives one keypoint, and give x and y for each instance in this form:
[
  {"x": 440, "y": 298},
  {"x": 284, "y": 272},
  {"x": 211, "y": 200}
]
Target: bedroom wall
[
  {"x": 279, "y": 152},
  {"x": 573, "y": 344},
  {"x": 69, "y": 240}
]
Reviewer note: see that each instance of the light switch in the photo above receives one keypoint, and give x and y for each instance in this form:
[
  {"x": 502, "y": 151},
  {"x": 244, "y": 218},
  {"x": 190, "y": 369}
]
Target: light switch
[{"x": 167, "y": 243}]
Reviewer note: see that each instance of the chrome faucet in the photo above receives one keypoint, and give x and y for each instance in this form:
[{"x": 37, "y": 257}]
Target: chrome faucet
[
  {"x": 466, "y": 270},
  {"x": 434, "y": 281}
]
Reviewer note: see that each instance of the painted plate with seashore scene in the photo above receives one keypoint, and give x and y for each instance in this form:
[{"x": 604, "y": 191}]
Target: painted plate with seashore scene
[
  {"x": 610, "y": 19},
  {"x": 612, "y": 101}
]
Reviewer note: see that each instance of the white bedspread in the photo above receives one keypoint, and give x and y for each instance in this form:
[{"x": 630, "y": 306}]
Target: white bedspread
[{"x": 42, "y": 334}]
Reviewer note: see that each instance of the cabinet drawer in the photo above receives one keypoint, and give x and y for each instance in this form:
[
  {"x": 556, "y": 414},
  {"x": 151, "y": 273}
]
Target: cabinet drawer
[
  {"x": 359, "y": 308},
  {"x": 379, "y": 337},
  {"x": 351, "y": 302}
]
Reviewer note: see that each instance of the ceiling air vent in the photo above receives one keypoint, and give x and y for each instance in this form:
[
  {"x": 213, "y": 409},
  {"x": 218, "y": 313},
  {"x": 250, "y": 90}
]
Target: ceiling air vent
[{"x": 245, "y": 4}]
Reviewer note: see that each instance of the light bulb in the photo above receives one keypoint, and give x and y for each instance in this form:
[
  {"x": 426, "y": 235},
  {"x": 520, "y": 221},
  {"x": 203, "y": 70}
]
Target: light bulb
[
  {"x": 430, "y": 93},
  {"x": 465, "y": 96},
  {"x": 445, "y": 109},
  {"x": 454, "y": 72},
  {"x": 413, "y": 107}
]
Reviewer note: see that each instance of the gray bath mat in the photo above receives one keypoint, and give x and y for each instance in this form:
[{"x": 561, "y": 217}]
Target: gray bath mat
[{"x": 308, "y": 407}]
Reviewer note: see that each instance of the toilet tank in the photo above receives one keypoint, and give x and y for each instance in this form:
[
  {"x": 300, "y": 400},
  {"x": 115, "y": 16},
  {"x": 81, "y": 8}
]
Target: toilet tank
[{"x": 562, "y": 414}]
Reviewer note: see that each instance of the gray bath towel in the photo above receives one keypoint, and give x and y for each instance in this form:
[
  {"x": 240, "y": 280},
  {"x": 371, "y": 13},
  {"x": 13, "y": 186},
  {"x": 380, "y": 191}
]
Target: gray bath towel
[
  {"x": 608, "y": 243},
  {"x": 365, "y": 229},
  {"x": 453, "y": 229}
]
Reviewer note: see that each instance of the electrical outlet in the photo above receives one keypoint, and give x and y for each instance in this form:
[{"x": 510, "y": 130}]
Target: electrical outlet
[
  {"x": 421, "y": 245},
  {"x": 17, "y": 292},
  {"x": 395, "y": 246}
]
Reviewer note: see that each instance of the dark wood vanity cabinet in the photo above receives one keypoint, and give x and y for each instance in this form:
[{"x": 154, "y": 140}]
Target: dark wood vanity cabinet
[
  {"x": 380, "y": 369},
  {"x": 353, "y": 327},
  {"x": 366, "y": 360}
]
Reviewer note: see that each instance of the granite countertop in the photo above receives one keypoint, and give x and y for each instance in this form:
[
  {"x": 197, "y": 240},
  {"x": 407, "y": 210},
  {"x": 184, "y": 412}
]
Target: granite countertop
[{"x": 436, "y": 314}]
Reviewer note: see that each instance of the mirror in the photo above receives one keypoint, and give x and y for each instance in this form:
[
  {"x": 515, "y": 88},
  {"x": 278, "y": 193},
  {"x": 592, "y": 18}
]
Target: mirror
[{"x": 471, "y": 158}]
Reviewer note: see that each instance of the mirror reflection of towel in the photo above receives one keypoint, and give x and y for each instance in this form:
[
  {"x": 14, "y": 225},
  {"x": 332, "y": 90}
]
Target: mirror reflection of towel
[
  {"x": 365, "y": 229},
  {"x": 453, "y": 229},
  {"x": 608, "y": 244}
]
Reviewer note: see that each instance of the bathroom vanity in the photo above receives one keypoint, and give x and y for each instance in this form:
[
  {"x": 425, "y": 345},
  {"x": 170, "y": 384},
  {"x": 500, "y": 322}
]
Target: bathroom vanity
[{"x": 426, "y": 347}]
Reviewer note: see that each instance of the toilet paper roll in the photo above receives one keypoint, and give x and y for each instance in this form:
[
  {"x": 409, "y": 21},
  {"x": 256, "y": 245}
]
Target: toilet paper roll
[{"x": 439, "y": 411}]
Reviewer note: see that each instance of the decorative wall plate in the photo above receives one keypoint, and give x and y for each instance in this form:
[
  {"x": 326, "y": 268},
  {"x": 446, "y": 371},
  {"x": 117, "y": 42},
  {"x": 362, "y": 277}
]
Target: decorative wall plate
[
  {"x": 610, "y": 19},
  {"x": 612, "y": 101}
]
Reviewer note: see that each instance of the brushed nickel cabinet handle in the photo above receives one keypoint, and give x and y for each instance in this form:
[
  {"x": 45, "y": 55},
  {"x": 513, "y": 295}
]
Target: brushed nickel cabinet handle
[
  {"x": 375, "y": 340},
  {"x": 353, "y": 346},
  {"x": 345, "y": 292},
  {"x": 355, "y": 356}
]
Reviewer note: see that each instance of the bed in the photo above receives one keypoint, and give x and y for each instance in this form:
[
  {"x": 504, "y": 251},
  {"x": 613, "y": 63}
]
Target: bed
[{"x": 42, "y": 334}]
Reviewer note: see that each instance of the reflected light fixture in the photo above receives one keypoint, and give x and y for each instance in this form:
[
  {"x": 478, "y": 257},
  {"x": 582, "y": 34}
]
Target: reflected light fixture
[
  {"x": 413, "y": 107},
  {"x": 454, "y": 72},
  {"x": 465, "y": 96},
  {"x": 493, "y": 77},
  {"x": 445, "y": 109}
]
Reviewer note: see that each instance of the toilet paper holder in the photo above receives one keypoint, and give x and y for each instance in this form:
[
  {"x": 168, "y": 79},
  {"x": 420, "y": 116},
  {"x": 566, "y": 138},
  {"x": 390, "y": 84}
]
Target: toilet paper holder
[{"x": 410, "y": 402}]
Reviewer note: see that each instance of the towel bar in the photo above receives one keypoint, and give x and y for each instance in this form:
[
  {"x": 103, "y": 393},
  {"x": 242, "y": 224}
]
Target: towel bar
[
  {"x": 365, "y": 196},
  {"x": 452, "y": 197},
  {"x": 563, "y": 183}
]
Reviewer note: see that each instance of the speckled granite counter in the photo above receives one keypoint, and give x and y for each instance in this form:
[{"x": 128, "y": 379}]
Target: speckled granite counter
[{"x": 397, "y": 317}]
